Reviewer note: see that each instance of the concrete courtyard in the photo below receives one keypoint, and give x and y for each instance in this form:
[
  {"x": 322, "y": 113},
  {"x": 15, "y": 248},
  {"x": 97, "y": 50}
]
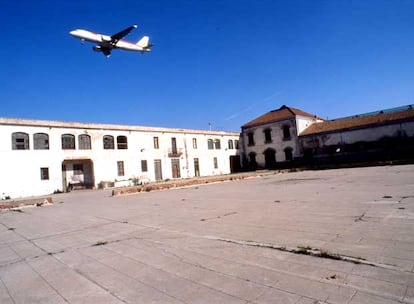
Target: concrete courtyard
[{"x": 334, "y": 236}]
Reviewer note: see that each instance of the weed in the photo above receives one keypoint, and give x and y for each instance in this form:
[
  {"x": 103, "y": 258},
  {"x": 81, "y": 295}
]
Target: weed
[
  {"x": 327, "y": 255},
  {"x": 100, "y": 243},
  {"x": 17, "y": 210},
  {"x": 302, "y": 250}
]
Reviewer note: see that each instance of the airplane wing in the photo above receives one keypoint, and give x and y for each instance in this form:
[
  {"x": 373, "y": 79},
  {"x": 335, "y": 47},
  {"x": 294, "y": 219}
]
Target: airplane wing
[{"x": 118, "y": 36}]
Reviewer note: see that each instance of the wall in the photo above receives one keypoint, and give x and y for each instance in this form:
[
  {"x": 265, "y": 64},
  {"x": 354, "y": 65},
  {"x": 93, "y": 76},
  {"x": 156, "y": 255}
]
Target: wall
[
  {"x": 20, "y": 174},
  {"x": 320, "y": 143},
  {"x": 278, "y": 143}
]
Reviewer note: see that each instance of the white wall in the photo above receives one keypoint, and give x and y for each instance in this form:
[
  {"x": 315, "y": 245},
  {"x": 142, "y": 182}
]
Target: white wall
[{"x": 20, "y": 174}]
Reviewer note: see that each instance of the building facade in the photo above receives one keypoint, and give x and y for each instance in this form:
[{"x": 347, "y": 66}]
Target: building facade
[
  {"x": 273, "y": 138},
  {"x": 382, "y": 134},
  {"x": 42, "y": 157},
  {"x": 280, "y": 136}
]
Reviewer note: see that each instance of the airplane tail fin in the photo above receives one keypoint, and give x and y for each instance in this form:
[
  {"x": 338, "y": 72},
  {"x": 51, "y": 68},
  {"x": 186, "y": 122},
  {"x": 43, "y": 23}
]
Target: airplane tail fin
[{"x": 144, "y": 43}]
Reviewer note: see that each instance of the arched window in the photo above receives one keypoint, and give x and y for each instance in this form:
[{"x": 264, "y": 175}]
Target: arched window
[
  {"x": 210, "y": 144},
  {"x": 286, "y": 132},
  {"x": 20, "y": 141},
  {"x": 288, "y": 154},
  {"x": 231, "y": 146},
  {"x": 108, "y": 142},
  {"x": 122, "y": 142},
  {"x": 217, "y": 144},
  {"x": 41, "y": 141},
  {"x": 68, "y": 142},
  {"x": 250, "y": 139},
  {"x": 84, "y": 142}
]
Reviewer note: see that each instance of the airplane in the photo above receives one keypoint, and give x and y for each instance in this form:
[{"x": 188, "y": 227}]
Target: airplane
[{"x": 105, "y": 43}]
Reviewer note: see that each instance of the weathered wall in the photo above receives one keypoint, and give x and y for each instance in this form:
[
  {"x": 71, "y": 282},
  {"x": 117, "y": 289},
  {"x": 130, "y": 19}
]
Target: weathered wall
[{"x": 20, "y": 174}]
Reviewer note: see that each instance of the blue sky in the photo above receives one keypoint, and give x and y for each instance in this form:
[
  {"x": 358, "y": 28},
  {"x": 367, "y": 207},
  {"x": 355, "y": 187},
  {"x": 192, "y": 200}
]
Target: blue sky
[{"x": 224, "y": 62}]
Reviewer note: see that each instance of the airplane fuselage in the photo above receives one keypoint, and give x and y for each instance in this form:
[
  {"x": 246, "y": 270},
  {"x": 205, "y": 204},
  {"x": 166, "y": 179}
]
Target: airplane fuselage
[{"x": 105, "y": 41}]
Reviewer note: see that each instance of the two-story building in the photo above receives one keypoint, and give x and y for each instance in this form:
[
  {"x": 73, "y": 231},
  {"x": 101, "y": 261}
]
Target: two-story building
[
  {"x": 274, "y": 137},
  {"x": 40, "y": 157},
  {"x": 285, "y": 134}
]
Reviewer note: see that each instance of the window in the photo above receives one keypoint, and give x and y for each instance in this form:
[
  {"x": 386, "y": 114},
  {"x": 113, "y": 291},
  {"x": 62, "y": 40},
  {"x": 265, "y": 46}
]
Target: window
[
  {"x": 156, "y": 143},
  {"x": 41, "y": 141},
  {"x": 84, "y": 142},
  {"x": 174, "y": 145},
  {"x": 215, "y": 163},
  {"x": 120, "y": 165},
  {"x": 236, "y": 144},
  {"x": 68, "y": 142},
  {"x": 144, "y": 166},
  {"x": 108, "y": 142},
  {"x": 268, "y": 135},
  {"x": 210, "y": 144},
  {"x": 286, "y": 132},
  {"x": 231, "y": 146},
  {"x": 194, "y": 143},
  {"x": 250, "y": 139},
  {"x": 77, "y": 169},
  {"x": 20, "y": 141},
  {"x": 44, "y": 173},
  {"x": 289, "y": 154},
  {"x": 122, "y": 142},
  {"x": 217, "y": 144}
]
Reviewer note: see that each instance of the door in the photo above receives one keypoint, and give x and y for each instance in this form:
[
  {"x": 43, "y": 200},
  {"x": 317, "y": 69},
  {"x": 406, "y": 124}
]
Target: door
[
  {"x": 158, "y": 169},
  {"x": 235, "y": 163},
  {"x": 196, "y": 167},
  {"x": 270, "y": 158},
  {"x": 175, "y": 166}
]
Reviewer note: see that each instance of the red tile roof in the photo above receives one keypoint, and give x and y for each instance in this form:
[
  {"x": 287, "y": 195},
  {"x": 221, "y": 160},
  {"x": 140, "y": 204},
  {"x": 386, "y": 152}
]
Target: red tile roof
[
  {"x": 275, "y": 115},
  {"x": 359, "y": 121}
]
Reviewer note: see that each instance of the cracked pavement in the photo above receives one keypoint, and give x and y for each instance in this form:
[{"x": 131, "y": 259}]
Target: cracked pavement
[{"x": 244, "y": 241}]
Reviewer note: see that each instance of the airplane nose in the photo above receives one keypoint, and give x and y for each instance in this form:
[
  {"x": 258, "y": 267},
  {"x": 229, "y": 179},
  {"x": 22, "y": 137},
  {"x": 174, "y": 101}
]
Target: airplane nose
[{"x": 74, "y": 32}]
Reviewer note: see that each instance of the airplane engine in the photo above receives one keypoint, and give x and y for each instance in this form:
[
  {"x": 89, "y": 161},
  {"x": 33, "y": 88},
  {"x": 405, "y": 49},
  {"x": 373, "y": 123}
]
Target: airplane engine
[
  {"x": 106, "y": 38},
  {"x": 97, "y": 48}
]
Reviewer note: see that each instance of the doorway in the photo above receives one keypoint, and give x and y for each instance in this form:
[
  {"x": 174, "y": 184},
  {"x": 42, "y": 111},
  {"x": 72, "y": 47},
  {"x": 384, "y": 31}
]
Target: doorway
[
  {"x": 270, "y": 158},
  {"x": 77, "y": 174},
  {"x": 158, "y": 169},
  {"x": 175, "y": 166},
  {"x": 196, "y": 167}
]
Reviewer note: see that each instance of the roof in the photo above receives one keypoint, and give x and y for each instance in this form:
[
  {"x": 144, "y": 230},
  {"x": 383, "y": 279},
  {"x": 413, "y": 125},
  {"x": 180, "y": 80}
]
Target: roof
[
  {"x": 361, "y": 121},
  {"x": 98, "y": 126},
  {"x": 284, "y": 112}
]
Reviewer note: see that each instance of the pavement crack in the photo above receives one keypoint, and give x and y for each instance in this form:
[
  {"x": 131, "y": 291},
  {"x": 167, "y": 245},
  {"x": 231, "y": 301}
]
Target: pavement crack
[
  {"x": 305, "y": 250},
  {"x": 219, "y": 216},
  {"x": 7, "y": 290},
  {"x": 360, "y": 218},
  {"x": 47, "y": 282}
]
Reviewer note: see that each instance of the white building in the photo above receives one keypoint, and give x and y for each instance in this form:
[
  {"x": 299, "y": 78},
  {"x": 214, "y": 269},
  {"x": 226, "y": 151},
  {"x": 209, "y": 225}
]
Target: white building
[{"x": 40, "y": 157}]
